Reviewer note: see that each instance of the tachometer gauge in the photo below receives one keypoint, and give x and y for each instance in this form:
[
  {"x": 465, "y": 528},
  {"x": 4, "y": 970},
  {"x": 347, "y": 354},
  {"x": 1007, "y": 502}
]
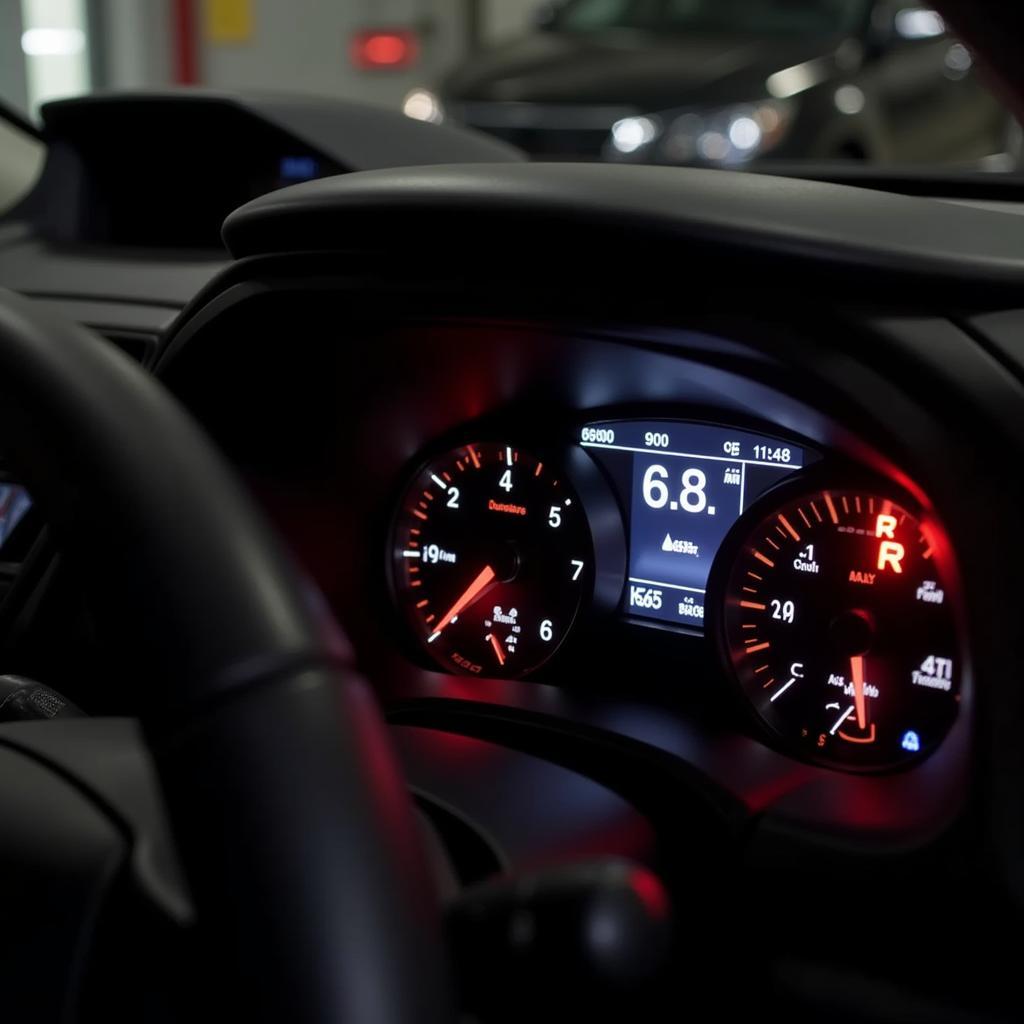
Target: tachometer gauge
[
  {"x": 839, "y": 624},
  {"x": 491, "y": 558}
]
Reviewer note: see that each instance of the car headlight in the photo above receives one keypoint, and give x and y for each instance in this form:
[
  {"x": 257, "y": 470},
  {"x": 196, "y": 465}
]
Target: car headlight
[
  {"x": 726, "y": 136},
  {"x": 633, "y": 133},
  {"x": 423, "y": 105}
]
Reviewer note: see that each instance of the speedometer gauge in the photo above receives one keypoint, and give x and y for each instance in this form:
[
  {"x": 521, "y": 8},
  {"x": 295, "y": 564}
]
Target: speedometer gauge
[
  {"x": 491, "y": 558},
  {"x": 838, "y": 622}
]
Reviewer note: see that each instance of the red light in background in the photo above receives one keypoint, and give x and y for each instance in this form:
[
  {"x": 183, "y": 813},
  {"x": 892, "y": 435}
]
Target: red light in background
[{"x": 375, "y": 49}]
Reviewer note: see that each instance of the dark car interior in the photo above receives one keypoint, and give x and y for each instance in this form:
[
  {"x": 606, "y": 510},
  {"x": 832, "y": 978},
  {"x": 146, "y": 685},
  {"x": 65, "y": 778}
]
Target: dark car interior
[{"x": 437, "y": 585}]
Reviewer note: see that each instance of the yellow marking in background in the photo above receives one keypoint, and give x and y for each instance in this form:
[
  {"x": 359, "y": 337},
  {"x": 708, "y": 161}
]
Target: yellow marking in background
[{"x": 228, "y": 21}]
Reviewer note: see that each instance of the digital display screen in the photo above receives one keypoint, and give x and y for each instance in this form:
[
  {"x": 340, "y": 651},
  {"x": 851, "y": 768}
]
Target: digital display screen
[{"x": 682, "y": 486}]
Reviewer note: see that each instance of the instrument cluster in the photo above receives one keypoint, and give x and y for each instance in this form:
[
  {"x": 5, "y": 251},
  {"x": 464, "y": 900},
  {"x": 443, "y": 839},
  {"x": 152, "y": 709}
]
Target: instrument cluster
[{"x": 826, "y": 594}]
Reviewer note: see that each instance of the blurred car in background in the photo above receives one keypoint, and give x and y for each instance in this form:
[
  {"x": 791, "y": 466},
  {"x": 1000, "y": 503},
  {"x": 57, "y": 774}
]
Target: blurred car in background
[{"x": 728, "y": 82}]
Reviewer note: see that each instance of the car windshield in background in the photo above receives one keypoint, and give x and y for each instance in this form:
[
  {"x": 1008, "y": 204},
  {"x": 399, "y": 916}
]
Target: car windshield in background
[
  {"x": 732, "y": 84},
  {"x": 814, "y": 87},
  {"x": 797, "y": 17}
]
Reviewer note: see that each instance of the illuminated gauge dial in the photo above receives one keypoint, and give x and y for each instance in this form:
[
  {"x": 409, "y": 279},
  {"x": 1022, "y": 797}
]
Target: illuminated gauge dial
[
  {"x": 838, "y": 621},
  {"x": 491, "y": 558}
]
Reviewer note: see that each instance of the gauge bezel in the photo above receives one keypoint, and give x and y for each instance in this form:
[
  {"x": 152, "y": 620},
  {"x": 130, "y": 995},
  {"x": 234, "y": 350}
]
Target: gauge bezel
[
  {"x": 601, "y": 516},
  {"x": 838, "y": 476}
]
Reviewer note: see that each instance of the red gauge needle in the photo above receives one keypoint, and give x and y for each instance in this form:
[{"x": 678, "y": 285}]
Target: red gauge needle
[
  {"x": 857, "y": 670},
  {"x": 472, "y": 592},
  {"x": 496, "y": 644}
]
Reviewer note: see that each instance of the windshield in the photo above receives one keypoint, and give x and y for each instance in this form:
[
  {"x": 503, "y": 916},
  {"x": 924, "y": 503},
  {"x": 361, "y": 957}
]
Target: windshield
[
  {"x": 791, "y": 86},
  {"x": 786, "y": 17}
]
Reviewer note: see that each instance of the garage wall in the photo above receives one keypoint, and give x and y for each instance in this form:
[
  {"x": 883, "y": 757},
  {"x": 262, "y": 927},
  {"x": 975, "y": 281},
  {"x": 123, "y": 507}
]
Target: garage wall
[
  {"x": 12, "y": 61},
  {"x": 505, "y": 19},
  {"x": 303, "y": 45},
  {"x": 135, "y": 49},
  {"x": 287, "y": 44}
]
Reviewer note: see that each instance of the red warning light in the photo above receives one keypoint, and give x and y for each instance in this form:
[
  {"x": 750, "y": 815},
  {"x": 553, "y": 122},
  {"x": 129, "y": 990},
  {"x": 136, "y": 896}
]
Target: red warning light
[
  {"x": 376, "y": 49},
  {"x": 890, "y": 552},
  {"x": 885, "y": 526}
]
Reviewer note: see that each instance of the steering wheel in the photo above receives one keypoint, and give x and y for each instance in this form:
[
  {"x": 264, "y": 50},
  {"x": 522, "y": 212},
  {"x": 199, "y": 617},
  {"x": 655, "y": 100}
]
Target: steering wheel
[{"x": 297, "y": 837}]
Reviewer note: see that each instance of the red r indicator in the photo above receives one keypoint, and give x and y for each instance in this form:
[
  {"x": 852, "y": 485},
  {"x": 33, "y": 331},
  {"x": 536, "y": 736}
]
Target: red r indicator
[
  {"x": 890, "y": 553},
  {"x": 885, "y": 526}
]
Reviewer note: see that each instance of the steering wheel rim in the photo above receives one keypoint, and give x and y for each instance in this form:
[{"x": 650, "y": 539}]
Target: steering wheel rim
[{"x": 290, "y": 816}]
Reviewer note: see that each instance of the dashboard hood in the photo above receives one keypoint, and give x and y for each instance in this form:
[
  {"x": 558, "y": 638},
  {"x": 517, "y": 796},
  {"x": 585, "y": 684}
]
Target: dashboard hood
[
  {"x": 433, "y": 211},
  {"x": 630, "y": 68}
]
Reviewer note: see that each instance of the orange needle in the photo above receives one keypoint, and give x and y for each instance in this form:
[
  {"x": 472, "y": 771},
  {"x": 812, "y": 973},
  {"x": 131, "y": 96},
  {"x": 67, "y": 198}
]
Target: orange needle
[
  {"x": 857, "y": 668},
  {"x": 496, "y": 644},
  {"x": 472, "y": 592}
]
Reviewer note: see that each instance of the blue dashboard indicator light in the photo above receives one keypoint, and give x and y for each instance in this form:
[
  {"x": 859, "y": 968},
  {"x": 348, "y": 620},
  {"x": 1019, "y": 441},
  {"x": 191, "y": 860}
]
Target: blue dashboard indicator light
[
  {"x": 911, "y": 741},
  {"x": 299, "y": 168}
]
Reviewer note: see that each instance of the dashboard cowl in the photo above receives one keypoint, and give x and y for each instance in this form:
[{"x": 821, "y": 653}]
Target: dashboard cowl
[{"x": 501, "y": 208}]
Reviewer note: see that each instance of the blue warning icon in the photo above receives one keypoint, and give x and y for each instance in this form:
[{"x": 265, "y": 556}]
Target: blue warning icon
[{"x": 911, "y": 741}]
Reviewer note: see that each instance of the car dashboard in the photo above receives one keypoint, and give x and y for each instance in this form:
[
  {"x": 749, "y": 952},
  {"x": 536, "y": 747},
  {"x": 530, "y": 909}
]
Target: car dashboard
[
  {"x": 664, "y": 536},
  {"x": 696, "y": 558}
]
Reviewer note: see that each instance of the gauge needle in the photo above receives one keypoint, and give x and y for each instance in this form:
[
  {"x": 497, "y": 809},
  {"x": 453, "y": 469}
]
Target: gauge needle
[
  {"x": 471, "y": 593},
  {"x": 842, "y": 718},
  {"x": 496, "y": 644},
  {"x": 857, "y": 671}
]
